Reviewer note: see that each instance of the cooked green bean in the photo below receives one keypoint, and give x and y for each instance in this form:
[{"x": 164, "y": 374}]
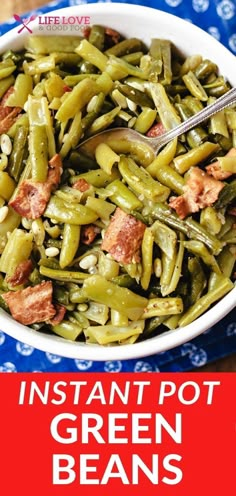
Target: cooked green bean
[
  {"x": 69, "y": 213},
  {"x": 70, "y": 244},
  {"x": 141, "y": 181},
  {"x": 225, "y": 285},
  {"x": 16, "y": 163}
]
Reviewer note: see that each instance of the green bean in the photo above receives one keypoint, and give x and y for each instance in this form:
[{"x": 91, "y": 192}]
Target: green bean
[
  {"x": 7, "y": 67},
  {"x": 67, "y": 330},
  {"x": 226, "y": 260},
  {"x": 39, "y": 114},
  {"x": 54, "y": 87},
  {"x": 103, "y": 121},
  {"x": 190, "y": 64},
  {"x": 226, "y": 196},
  {"x": 5, "y": 84},
  {"x": 77, "y": 99},
  {"x": 97, "y": 312},
  {"x": 77, "y": 160},
  {"x": 165, "y": 109},
  {"x": 118, "y": 319},
  {"x": 98, "y": 289},
  {"x": 176, "y": 274},
  {"x": 205, "y": 68},
  {"x": 16, "y": 163},
  {"x": 118, "y": 69},
  {"x": 74, "y": 79},
  {"x": 218, "y": 123},
  {"x": 136, "y": 96},
  {"x": 161, "y": 50},
  {"x": 167, "y": 176},
  {"x": 122, "y": 196},
  {"x": 22, "y": 89},
  {"x": 153, "y": 324},
  {"x": 73, "y": 136},
  {"x": 167, "y": 271},
  {"x": 97, "y": 37},
  {"x": 22, "y": 121},
  {"x": 7, "y": 185},
  {"x": 147, "y": 253},
  {"x": 164, "y": 237},
  {"x": 63, "y": 275},
  {"x": 124, "y": 280},
  {"x": 70, "y": 244},
  {"x": 111, "y": 333},
  {"x": 101, "y": 207},
  {"x": 133, "y": 58},
  {"x": 107, "y": 267},
  {"x": 141, "y": 181},
  {"x": 17, "y": 250},
  {"x": 194, "y": 86},
  {"x": 38, "y": 150},
  {"x": 198, "y": 279},
  {"x": 48, "y": 44},
  {"x": 172, "y": 321},
  {"x": 199, "y": 249},
  {"x": 189, "y": 227},
  {"x": 184, "y": 162},
  {"x": 210, "y": 220},
  {"x": 145, "y": 120},
  {"x": 204, "y": 303},
  {"x": 125, "y": 46},
  {"x": 197, "y": 135},
  {"x": 92, "y": 54},
  {"x": 11, "y": 222},
  {"x": 97, "y": 177},
  {"x": 68, "y": 213},
  {"x": 140, "y": 152},
  {"x": 106, "y": 157},
  {"x": 39, "y": 66},
  {"x": 157, "y": 307}
]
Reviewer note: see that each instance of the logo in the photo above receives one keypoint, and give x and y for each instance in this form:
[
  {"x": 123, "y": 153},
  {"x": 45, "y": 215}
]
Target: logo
[
  {"x": 24, "y": 22},
  {"x": 53, "y": 23}
]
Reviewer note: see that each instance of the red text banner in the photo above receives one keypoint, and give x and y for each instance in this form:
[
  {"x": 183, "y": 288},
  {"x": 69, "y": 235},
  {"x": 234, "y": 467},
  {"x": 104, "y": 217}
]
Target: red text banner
[{"x": 112, "y": 434}]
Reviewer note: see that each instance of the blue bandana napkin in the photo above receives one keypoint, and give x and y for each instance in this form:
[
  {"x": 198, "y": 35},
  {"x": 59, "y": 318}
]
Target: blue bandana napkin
[{"x": 217, "y": 17}]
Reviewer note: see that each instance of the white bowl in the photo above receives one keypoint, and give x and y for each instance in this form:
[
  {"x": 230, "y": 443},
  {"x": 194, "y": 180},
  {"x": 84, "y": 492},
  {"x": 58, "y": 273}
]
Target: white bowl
[{"x": 144, "y": 23}]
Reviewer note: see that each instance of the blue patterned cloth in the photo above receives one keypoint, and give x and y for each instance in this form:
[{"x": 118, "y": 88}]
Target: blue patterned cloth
[{"x": 217, "y": 17}]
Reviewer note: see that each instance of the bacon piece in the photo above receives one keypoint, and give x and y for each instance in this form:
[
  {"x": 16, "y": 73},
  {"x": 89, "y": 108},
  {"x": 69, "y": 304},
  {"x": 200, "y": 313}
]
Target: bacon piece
[
  {"x": 232, "y": 211},
  {"x": 33, "y": 196},
  {"x": 31, "y": 305},
  {"x": 8, "y": 115},
  {"x": 156, "y": 130},
  {"x": 215, "y": 170},
  {"x": 113, "y": 34},
  {"x": 31, "y": 199},
  {"x": 200, "y": 191},
  {"x": 82, "y": 185},
  {"x": 21, "y": 274},
  {"x": 86, "y": 31},
  {"x": 59, "y": 316},
  {"x": 67, "y": 89},
  {"x": 123, "y": 237},
  {"x": 55, "y": 170},
  {"x": 9, "y": 120},
  {"x": 89, "y": 233},
  {"x": 5, "y": 97}
]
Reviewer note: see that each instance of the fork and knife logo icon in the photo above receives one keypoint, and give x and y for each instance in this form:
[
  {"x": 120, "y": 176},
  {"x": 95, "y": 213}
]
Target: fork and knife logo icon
[{"x": 24, "y": 22}]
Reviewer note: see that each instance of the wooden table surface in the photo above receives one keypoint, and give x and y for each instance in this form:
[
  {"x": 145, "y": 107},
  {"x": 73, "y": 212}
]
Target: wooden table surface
[{"x": 10, "y": 7}]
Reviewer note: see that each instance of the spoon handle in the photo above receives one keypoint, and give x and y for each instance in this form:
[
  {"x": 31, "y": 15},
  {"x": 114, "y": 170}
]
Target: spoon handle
[{"x": 221, "y": 103}]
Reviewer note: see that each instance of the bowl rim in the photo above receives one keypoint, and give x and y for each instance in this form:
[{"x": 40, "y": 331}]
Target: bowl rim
[{"x": 171, "y": 338}]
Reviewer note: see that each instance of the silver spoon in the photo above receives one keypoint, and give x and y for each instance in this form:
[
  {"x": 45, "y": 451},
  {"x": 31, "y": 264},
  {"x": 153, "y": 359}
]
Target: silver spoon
[{"x": 154, "y": 144}]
